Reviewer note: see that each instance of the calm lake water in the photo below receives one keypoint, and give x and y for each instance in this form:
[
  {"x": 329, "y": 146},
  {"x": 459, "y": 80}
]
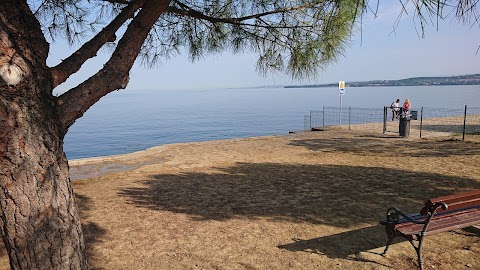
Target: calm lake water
[{"x": 128, "y": 121}]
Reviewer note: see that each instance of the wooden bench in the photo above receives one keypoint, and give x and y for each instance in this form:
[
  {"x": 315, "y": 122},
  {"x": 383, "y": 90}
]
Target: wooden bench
[{"x": 438, "y": 215}]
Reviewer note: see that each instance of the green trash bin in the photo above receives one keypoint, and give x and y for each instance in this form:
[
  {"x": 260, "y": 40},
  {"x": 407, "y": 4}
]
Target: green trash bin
[{"x": 414, "y": 115}]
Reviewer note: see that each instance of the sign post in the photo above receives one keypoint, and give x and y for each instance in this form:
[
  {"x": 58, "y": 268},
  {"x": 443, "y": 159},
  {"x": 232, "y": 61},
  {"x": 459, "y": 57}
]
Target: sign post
[{"x": 341, "y": 92}]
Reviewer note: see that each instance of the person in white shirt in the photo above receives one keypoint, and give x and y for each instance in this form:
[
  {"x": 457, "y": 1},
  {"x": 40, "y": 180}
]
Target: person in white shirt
[{"x": 395, "y": 109}]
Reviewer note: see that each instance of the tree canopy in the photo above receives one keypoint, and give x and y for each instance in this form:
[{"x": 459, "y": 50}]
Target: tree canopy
[
  {"x": 292, "y": 36},
  {"x": 295, "y": 37}
]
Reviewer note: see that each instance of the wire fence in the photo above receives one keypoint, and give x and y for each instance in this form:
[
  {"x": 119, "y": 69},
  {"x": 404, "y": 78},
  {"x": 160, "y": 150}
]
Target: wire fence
[
  {"x": 460, "y": 122},
  {"x": 423, "y": 122},
  {"x": 336, "y": 116}
]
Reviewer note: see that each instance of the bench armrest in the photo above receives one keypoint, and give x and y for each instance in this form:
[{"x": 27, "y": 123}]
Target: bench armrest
[
  {"x": 394, "y": 214},
  {"x": 431, "y": 210}
]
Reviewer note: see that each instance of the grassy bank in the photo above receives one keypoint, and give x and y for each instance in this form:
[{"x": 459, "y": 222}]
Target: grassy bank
[{"x": 300, "y": 201}]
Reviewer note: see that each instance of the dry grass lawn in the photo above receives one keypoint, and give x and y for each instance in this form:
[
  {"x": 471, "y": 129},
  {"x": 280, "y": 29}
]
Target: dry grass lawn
[{"x": 300, "y": 201}]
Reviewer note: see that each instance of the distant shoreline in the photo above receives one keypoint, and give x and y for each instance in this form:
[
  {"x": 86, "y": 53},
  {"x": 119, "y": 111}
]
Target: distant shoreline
[{"x": 473, "y": 79}]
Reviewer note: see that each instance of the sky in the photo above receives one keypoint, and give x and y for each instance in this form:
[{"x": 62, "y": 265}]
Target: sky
[{"x": 379, "y": 51}]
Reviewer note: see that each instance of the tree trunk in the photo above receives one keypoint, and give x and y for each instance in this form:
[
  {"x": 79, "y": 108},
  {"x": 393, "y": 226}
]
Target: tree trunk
[{"x": 39, "y": 222}]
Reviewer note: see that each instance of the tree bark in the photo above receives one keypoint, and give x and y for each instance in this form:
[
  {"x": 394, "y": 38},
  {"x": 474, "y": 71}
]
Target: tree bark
[{"x": 39, "y": 222}]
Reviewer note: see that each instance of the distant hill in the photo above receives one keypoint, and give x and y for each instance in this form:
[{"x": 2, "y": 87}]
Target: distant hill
[{"x": 473, "y": 79}]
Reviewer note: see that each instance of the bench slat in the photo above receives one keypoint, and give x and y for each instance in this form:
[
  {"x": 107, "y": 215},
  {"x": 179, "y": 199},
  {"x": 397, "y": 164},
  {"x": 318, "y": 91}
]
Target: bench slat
[
  {"x": 455, "y": 197},
  {"x": 454, "y": 224},
  {"x": 443, "y": 223},
  {"x": 442, "y": 216},
  {"x": 454, "y": 202},
  {"x": 415, "y": 230},
  {"x": 460, "y": 205},
  {"x": 421, "y": 218}
]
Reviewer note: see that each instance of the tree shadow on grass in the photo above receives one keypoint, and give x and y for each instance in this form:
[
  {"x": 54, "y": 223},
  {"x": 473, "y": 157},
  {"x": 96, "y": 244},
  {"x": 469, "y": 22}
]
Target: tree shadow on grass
[
  {"x": 91, "y": 231},
  {"x": 370, "y": 146},
  {"x": 456, "y": 128},
  {"x": 341, "y": 196},
  {"x": 341, "y": 245},
  {"x": 348, "y": 243},
  {"x": 334, "y": 195}
]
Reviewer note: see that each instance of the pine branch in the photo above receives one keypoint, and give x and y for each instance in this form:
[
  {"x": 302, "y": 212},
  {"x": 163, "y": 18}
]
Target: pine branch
[
  {"x": 190, "y": 12},
  {"x": 73, "y": 63},
  {"x": 114, "y": 75}
]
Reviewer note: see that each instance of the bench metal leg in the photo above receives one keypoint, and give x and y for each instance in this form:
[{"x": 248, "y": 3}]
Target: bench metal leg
[
  {"x": 389, "y": 242},
  {"x": 418, "y": 249},
  {"x": 419, "y": 253},
  {"x": 391, "y": 235}
]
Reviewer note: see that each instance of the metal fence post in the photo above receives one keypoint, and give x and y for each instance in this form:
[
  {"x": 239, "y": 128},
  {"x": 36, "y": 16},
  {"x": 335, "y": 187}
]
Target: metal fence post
[
  {"x": 421, "y": 121},
  {"x": 323, "y": 114},
  {"x": 464, "y": 123},
  {"x": 349, "y": 117},
  {"x": 310, "y": 119},
  {"x": 384, "y": 119}
]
